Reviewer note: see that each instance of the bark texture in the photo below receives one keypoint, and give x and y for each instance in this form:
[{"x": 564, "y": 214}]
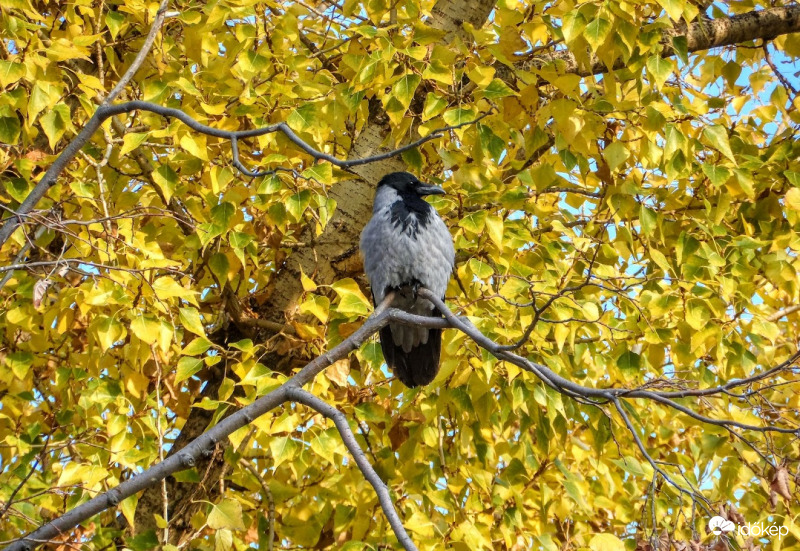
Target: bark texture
[
  {"x": 702, "y": 34},
  {"x": 334, "y": 254},
  {"x": 330, "y": 256}
]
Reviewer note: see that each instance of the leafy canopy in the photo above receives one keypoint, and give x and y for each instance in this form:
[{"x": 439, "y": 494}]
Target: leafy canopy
[{"x": 644, "y": 223}]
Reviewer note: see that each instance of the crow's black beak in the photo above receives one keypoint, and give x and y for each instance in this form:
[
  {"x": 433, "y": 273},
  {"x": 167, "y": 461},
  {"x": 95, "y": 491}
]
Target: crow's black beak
[{"x": 429, "y": 190}]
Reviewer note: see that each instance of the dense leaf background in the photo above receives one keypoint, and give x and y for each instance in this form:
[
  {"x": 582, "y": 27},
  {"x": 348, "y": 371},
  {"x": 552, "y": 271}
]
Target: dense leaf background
[{"x": 644, "y": 222}]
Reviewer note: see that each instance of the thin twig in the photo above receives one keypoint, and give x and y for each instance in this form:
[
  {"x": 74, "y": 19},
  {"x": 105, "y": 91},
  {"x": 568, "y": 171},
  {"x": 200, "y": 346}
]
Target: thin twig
[
  {"x": 270, "y": 501},
  {"x": 106, "y": 111},
  {"x": 304, "y": 397}
]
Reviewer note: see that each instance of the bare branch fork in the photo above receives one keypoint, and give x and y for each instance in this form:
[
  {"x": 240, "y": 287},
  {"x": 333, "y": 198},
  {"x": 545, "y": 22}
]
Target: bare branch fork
[
  {"x": 106, "y": 111},
  {"x": 292, "y": 391}
]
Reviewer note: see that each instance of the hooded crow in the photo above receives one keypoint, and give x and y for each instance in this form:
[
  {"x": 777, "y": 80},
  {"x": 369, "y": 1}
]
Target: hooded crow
[{"x": 406, "y": 245}]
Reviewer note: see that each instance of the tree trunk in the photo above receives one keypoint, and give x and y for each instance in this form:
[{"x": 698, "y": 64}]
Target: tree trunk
[{"x": 332, "y": 255}]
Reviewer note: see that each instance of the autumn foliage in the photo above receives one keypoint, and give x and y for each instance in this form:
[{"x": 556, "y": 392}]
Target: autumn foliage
[{"x": 625, "y": 207}]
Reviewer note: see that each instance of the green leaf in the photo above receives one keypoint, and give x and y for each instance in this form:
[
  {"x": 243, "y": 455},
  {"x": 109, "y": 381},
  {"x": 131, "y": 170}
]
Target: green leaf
[
  {"x": 269, "y": 185},
  {"x": 19, "y": 363},
  {"x": 108, "y": 331},
  {"x": 438, "y": 71},
  {"x": 697, "y": 314},
  {"x": 433, "y": 106},
  {"x": 717, "y": 174},
  {"x": 480, "y": 269},
  {"x": 220, "y": 266},
  {"x": 227, "y": 514},
  {"x": 320, "y": 172},
  {"x": 187, "y": 367},
  {"x": 648, "y": 219},
  {"x": 302, "y": 118},
  {"x": 681, "y": 46},
  {"x": 326, "y": 443},
  {"x": 660, "y": 69},
  {"x": 615, "y": 155},
  {"x": 660, "y": 260},
  {"x": 53, "y": 126},
  {"x": 629, "y": 363},
  {"x": 474, "y": 222},
  {"x": 403, "y": 90},
  {"x": 457, "y": 116},
  {"x": 222, "y": 214},
  {"x": 283, "y": 449},
  {"x": 144, "y": 541},
  {"x": 596, "y": 33},
  {"x": 497, "y": 89},
  {"x": 10, "y": 72},
  {"x": 297, "y": 204},
  {"x": 132, "y": 141},
  {"x": 572, "y": 25},
  {"x": 190, "y": 319},
  {"x": 197, "y": 347},
  {"x": 717, "y": 136},
  {"x": 223, "y": 540},
  {"x": 240, "y": 240},
  {"x": 166, "y": 179},
  {"x": 9, "y": 130},
  {"x": 114, "y": 20},
  {"x": 43, "y": 96}
]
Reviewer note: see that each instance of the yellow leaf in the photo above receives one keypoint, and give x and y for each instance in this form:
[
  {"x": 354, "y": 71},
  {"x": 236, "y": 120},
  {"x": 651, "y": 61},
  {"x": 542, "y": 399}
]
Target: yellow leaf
[
  {"x": 494, "y": 226},
  {"x": 146, "y": 328},
  {"x": 606, "y": 542},
  {"x": 339, "y": 371},
  {"x": 196, "y": 145},
  {"x": 308, "y": 283},
  {"x": 165, "y": 287},
  {"x": 131, "y": 141},
  {"x": 190, "y": 318},
  {"x": 793, "y": 199},
  {"x": 226, "y": 514},
  {"x": 351, "y": 299}
]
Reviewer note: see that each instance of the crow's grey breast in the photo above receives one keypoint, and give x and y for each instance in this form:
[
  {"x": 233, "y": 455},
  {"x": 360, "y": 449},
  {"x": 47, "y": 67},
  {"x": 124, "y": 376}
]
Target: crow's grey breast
[{"x": 406, "y": 245}]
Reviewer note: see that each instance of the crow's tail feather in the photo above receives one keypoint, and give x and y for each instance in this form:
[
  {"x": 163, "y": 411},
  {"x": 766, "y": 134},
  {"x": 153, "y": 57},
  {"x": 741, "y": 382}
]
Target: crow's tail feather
[{"x": 418, "y": 367}]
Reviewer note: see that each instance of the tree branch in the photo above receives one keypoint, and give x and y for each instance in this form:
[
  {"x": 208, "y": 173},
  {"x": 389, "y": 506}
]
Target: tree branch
[
  {"x": 304, "y": 397},
  {"x": 106, "y": 111},
  {"x": 292, "y": 390},
  {"x": 139, "y": 59},
  {"x": 702, "y": 34}
]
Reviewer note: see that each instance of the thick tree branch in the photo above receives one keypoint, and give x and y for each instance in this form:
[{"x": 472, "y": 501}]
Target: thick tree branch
[
  {"x": 702, "y": 34},
  {"x": 304, "y": 397},
  {"x": 106, "y": 111},
  {"x": 292, "y": 390},
  {"x": 140, "y": 57}
]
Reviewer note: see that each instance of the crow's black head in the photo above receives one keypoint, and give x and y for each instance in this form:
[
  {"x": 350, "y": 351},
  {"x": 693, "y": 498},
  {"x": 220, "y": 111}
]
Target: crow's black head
[{"x": 408, "y": 184}]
